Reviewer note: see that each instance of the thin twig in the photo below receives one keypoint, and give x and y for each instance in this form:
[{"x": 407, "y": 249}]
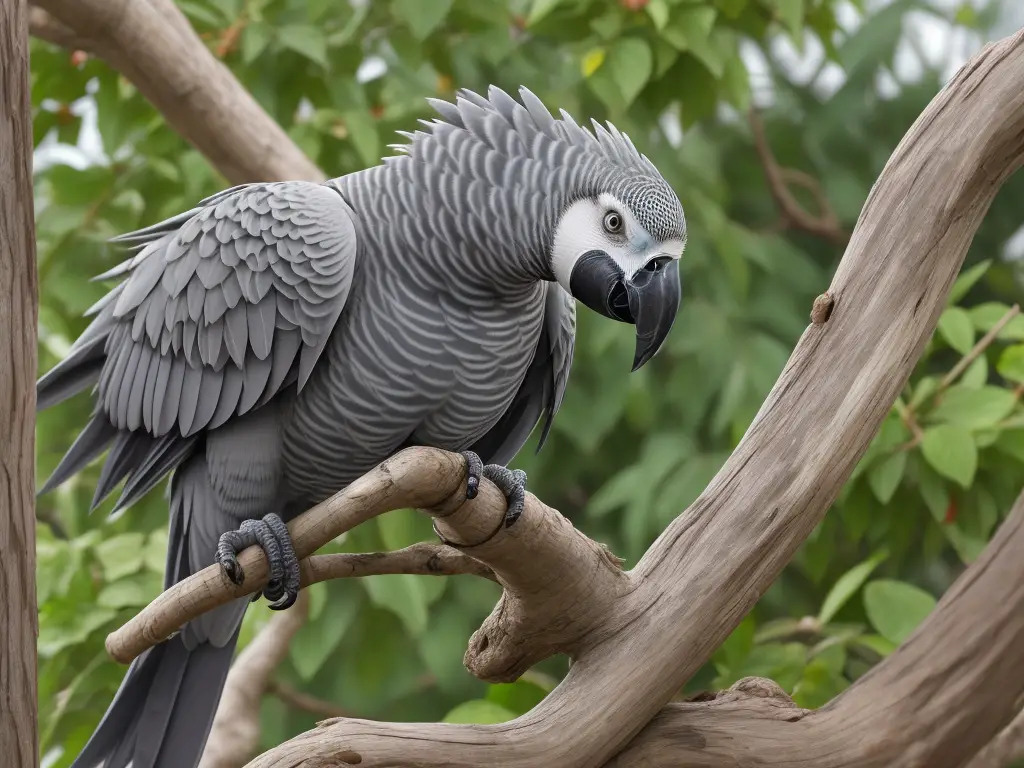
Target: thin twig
[
  {"x": 423, "y": 559},
  {"x": 983, "y": 343},
  {"x": 300, "y": 700},
  {"x": 826, "y": 224}
]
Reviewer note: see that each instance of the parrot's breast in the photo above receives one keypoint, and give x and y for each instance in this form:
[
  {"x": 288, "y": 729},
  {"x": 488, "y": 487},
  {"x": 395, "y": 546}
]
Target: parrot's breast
[{"x": 407, "y": 364}]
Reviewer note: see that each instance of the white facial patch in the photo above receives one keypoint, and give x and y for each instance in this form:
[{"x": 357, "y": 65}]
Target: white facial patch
[{"x": 581, "y": 229}]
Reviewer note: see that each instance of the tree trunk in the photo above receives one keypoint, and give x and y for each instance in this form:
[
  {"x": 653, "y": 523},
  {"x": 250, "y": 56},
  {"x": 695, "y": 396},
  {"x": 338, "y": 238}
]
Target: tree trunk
[{"x": 19, "y": 737}]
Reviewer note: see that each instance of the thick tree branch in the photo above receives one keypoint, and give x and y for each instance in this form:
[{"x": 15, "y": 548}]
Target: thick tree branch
[
  {"x": 153, "y": 45},
  {"x": 235, "y": 734},
  {"x": 1007, "y": 746},
  {"x": 19, "y": 305}
]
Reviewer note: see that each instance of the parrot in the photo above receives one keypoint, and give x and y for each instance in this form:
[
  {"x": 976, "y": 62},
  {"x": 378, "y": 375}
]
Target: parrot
[{"x": 278, "y": 340}]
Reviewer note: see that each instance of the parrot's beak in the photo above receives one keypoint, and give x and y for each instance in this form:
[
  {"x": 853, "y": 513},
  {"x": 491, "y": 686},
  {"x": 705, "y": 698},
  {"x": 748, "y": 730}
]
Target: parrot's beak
[
  {"x": 653, "y": 295},
  {"x": 649, "y": 299}
]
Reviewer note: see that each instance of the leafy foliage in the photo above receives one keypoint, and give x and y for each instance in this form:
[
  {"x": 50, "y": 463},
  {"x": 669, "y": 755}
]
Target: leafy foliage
[{"x": 628, "y": 452}]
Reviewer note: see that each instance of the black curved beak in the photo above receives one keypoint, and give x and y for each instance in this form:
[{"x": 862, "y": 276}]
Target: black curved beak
[{"x": 649, "y": 299}]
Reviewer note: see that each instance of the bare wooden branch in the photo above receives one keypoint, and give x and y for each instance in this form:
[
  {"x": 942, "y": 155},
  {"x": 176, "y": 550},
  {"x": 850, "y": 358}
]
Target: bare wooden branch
[
  {"x": 152, "y": 44},
  {"x": 826, "y": 223},
  {"x": 46, "y": 27},
  {"x": 711, "y": 565},
  {"x": 235, "y": 734},
  {"x": 19, "y": 305},
  {"x": 418, "y": 477},
  {"x": 293, "y": 697},
  {"x": 423, "y": 559},
  {"x": 1006, "y": 747}
]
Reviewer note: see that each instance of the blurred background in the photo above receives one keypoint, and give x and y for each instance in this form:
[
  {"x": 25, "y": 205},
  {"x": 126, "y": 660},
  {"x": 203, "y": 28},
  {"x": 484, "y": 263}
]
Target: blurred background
[{"x": 837, "y": 83}]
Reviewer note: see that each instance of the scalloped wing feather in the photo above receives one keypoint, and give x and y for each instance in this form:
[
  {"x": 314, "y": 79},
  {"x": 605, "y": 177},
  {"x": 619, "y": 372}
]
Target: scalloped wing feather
[{"x": 225, "y": 305}]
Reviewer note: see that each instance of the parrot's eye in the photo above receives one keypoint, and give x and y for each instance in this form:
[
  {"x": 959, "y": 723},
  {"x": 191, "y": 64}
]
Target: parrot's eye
[{"x": 613, "y": 222}]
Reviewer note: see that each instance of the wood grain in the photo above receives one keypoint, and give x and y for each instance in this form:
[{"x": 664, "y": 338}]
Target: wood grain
[{"x": 19, "y": 736}]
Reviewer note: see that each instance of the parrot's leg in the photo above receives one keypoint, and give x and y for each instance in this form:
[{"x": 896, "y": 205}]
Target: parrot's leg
[
  {"x": 273, "y": 538},
  {"x": 511, "y": 482}
]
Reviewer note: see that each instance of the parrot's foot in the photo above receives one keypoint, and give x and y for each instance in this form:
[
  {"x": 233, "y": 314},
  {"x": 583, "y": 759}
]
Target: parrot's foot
[
  {"x": 474, "y": 469},
  {"x": 511, "y": 482},
  {"x": 273, "y": 538}
]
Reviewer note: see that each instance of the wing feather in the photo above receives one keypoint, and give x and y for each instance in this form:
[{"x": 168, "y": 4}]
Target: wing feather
[{"x": 224, "y": 306}]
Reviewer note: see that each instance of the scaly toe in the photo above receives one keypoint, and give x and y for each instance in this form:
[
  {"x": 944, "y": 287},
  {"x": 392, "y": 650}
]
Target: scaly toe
[
  {"x": 512, "y": 483},
  {"x": 474, "y": 469}
]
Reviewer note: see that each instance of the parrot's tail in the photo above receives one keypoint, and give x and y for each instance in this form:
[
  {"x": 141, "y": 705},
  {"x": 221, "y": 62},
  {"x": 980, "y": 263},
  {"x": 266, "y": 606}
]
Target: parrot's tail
[
  {"x": 164, "y": 709},
  {"x": 162, "y": 713}
]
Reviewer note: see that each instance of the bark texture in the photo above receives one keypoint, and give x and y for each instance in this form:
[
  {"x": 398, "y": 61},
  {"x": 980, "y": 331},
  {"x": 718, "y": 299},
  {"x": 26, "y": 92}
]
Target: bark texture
[{"x": 19, "y": 736}]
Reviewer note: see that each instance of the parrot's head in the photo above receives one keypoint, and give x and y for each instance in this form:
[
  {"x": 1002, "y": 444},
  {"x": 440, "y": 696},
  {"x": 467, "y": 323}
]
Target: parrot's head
[{"x": 618, "y": 253}]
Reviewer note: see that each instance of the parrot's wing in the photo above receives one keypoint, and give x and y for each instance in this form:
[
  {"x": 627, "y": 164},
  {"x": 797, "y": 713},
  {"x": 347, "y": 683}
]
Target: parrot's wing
[
  {"x": 221, "y": 308},
  {"x": 540, "y": 394}
]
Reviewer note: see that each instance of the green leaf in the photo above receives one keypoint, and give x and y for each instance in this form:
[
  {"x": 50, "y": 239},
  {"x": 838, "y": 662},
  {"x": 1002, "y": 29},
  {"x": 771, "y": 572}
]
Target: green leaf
[
  {"x": 976, "y": 374},
  {"x": 791, "y": 12},
  {"x": 1011, "y": 363},
  {"x": 957, "y": 329},
  {"x": 885, "y": 475},
  {"x": 846, "y": 586},
  {"x": 318, "y": 638},
  {"x": 363, "y": 132},
  {"x": 689, "y": 26},
  {"x": 305, "y": 40},
  {"x": 402, "y": 594},
  {"x": 130, "y": 592},
  {"x": 480, "y": 712},
  {"x": 631, "y": 62},
  {"x": 121, "y": 555},
  {"x": 896, "y": 608},
  {"x": 658, "y": 10},
  {"x": 403, "y": 527},
  {"x": 519, "y": 697},
  {"x": 876, "y": 643},
  {"x": 986, "y": 316},
  {"x": 540, "y": 9},
  {"x": 966, "y": 280},
  {"x": 422, "y": 16},
  {"x": 255, "y": 38},
  {"x": 592, "y": 61},
  {"x": 973, "y": 408},
  {"x": 818, "y": 685},
  {"x": 950, "y": 450}
]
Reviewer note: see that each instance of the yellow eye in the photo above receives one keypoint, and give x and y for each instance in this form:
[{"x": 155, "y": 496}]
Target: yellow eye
[{"x": 613, "y": 222}]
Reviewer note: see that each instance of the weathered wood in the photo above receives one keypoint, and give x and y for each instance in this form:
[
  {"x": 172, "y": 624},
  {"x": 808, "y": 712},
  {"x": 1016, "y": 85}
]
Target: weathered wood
[
  {"x": 19, "y": 736},
  {"x": 153, "y": 45}
]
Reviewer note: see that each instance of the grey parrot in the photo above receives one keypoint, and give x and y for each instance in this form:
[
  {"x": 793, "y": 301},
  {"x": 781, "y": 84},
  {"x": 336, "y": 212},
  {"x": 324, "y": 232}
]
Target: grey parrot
[{"x": 277, "y": 341}]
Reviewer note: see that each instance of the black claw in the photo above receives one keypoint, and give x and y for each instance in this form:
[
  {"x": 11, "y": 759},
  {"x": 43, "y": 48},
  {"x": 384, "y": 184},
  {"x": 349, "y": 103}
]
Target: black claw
[
  {"x": 272, "y": 536},
  {"x": 474, "y": 469},
  {"x": 229, "y": 545},
  {"x": 287, "y": 591},
  {"x": 512, "y": 483}
]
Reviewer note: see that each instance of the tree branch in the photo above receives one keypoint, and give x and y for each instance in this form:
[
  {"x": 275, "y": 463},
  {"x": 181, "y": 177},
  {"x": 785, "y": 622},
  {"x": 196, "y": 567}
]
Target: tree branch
[
  {"x": 826, "y": 224},
  {"x": 153, "y": 45},
  {"x": 421, "y": 559},
  {"x": 19, "y": 316},
  {"x": 1007, "y": 746}
]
